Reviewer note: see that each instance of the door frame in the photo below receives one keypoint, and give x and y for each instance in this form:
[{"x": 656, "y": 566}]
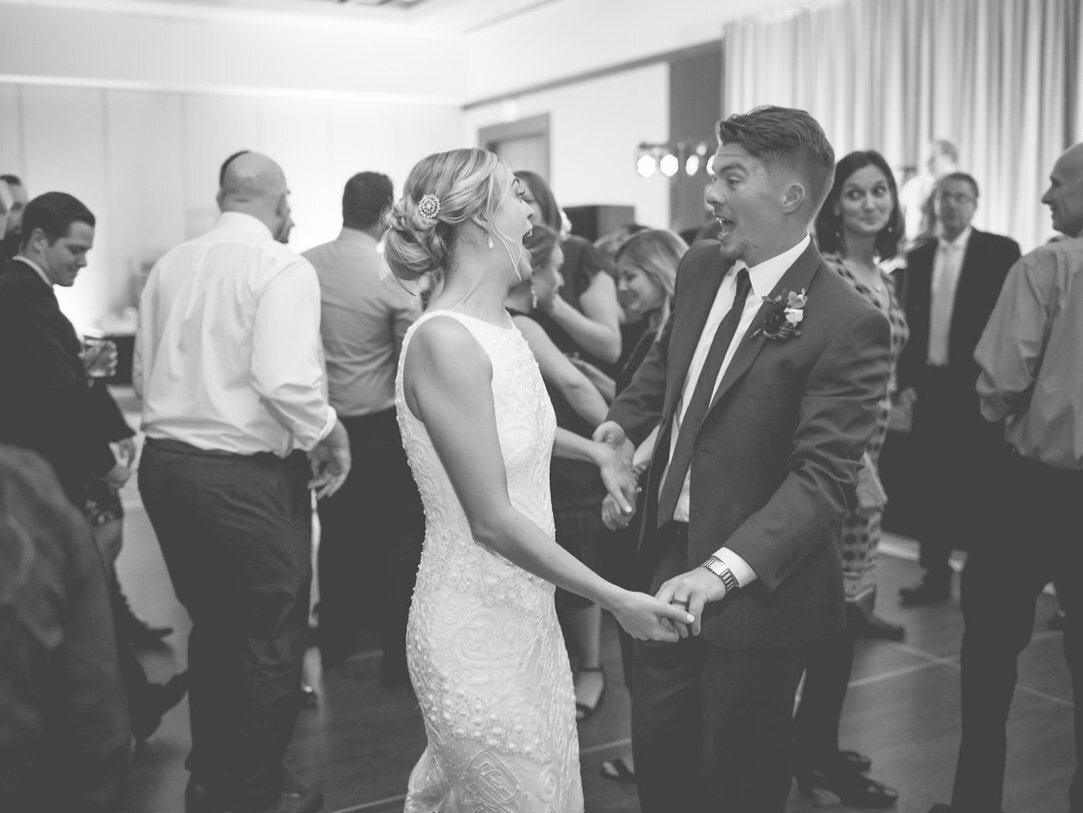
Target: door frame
[{"x": 493, "y": 134}]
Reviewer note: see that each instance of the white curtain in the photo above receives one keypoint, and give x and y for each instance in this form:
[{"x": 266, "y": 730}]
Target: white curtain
[{"x": 999, "y": 78}]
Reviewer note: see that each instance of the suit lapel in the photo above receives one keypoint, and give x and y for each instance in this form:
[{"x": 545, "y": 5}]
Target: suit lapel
[
  {"x": 684, "y": 340},
  {"x": 47, "y": 296},
  {"x": 797, "y": 278}
]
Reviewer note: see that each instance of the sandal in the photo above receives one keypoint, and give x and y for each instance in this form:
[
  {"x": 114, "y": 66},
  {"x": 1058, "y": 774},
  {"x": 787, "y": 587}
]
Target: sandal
[
  {"x": 617, "y": 770},
  {"x": 582, "y": 710}
]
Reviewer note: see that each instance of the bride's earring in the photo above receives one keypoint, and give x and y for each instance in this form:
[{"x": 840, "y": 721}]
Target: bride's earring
[
  {"x": 489, "y": 240},
  {"x": 533, "y": 297}
]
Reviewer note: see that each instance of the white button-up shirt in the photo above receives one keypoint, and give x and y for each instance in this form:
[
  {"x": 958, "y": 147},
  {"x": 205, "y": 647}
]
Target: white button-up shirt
[
  {"x": 764, "y": 277},
  {"x": 947, "y": 264},
  {"x": 228, "y": 347}
]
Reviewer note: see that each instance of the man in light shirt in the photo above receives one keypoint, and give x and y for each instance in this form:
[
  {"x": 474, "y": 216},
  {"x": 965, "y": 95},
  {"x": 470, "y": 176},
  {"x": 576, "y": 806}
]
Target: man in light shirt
[
  {"x": 953, "y": 283},
  {"x": 1030, "y": 356},
  {"x": 371, "y": 531},
  {"x": 232, "y": 384}
]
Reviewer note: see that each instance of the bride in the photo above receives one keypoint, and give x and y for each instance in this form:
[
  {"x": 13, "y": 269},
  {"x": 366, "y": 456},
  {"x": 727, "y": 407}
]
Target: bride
[{"x": 486, "y": 655}]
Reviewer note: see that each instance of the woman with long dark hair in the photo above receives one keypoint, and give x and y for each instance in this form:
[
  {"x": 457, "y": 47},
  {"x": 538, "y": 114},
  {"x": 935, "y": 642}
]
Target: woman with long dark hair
[{"x": 858, "y": 230}]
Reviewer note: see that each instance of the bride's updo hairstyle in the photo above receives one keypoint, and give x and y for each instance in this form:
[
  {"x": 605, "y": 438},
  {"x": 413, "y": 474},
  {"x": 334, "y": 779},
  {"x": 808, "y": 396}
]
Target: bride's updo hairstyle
[{"x": 442, "y": 192}]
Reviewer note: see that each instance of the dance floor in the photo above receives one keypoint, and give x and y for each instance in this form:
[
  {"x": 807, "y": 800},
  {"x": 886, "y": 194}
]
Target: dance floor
[{"x": 360, "y": 741}]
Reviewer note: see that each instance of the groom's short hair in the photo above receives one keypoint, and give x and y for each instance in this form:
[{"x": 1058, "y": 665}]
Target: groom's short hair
[{"x": 785, "y": 135}]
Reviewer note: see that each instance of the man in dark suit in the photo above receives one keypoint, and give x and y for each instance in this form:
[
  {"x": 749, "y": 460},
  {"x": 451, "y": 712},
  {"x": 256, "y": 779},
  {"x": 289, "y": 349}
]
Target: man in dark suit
[
  {"x": 49, "y": 406},
  {"x": 765, "y": 383},
  {"x": 952, "y": 285}
]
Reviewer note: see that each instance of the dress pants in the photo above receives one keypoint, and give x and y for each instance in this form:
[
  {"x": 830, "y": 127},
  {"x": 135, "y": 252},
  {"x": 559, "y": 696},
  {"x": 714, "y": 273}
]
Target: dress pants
[
  {"x": 370, "y": 544},
  {"x": 957, "y": 454},
  {"x": 1040, "y": 542},
  {"x": 828, "y": 662},
  {"x": 711, "y": 728},
  {"x": 235, "y": 532}
]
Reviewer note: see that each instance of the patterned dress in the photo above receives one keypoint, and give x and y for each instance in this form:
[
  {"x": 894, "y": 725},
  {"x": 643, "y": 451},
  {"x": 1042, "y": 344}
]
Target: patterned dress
[
  {"x": 485, "y": 651},
  {"x": 861, "y": 529}
]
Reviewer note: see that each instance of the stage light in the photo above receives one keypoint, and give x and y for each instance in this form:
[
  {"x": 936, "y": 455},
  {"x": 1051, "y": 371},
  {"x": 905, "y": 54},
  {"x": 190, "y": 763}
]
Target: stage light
[
  {"x": 669, "y": 164},
  {"x": 691, "y": 164},
  {"x": 646, "y": 164}
]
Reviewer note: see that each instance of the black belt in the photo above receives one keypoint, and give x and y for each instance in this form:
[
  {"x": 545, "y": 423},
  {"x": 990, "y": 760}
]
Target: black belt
[{"x": 188, "y": 450}]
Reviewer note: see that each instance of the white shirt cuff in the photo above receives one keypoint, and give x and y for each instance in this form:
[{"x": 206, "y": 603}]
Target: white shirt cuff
[
  {"x": 332, "y": 419},
  {"x": 738, "y": 566}
]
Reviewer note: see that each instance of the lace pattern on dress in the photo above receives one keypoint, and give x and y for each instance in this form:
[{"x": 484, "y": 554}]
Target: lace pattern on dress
[{"x": 485, "y": 651}]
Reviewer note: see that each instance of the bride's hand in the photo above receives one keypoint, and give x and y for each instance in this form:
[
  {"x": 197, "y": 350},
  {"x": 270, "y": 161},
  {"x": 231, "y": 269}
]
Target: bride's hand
[{"x": 648, "y": 619}]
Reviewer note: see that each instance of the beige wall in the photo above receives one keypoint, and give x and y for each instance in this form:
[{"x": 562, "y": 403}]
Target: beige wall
[
  {"x": 147, "y": 164},
  {"x": 595, "y": 127}
]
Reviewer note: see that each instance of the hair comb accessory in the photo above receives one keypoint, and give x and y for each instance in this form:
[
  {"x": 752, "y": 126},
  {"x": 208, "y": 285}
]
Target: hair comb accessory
[{"x": 429, "y": 206}]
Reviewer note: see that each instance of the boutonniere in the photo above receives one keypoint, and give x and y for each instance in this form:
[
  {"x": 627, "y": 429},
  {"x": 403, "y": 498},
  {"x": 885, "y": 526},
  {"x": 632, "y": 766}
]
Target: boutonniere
[{"x": 785, "y": 315}]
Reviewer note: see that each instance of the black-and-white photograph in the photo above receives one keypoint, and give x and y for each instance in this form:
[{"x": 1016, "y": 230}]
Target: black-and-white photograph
[{"x": 541, "y": 406}]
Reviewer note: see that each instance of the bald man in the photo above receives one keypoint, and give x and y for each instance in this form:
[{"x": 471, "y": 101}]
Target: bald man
[
  {"x": 1030, "y": 356},
  {"x": 228, "y": 363}
]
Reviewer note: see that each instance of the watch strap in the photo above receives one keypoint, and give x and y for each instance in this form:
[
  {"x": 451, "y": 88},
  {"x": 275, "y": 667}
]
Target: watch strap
[{"x": 718, "y": 567}]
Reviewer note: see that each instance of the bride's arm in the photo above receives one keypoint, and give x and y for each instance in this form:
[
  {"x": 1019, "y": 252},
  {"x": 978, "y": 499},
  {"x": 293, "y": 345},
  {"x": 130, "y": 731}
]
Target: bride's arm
[
  {"x": 616, "y": 472},
  {"x": 563, "y": 376},
  {"x": 448, "y": 381}
]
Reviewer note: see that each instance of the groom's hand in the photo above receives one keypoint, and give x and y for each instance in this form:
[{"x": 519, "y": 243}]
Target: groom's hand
[{"x": 693, "y": 590}]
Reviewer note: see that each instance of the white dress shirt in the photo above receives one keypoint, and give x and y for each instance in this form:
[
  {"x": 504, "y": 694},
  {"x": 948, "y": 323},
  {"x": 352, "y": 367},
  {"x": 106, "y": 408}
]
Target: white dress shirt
[
  {"x": 947, "y": 264},
  {"x": 228, "y": 346},
  {"x": 764, "y": 277}
]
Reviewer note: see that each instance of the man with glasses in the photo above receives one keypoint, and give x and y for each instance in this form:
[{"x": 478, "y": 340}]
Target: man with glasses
[{"x": 954, "y": 281}]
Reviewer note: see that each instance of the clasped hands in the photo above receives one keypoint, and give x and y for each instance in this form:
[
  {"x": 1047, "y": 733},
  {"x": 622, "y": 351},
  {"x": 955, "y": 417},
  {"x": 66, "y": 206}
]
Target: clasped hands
[{"x": 689, "y": 591}]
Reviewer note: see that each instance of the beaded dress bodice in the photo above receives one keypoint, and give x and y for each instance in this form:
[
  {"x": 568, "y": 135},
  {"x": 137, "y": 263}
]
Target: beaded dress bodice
[{"x": 485, "y": 651}]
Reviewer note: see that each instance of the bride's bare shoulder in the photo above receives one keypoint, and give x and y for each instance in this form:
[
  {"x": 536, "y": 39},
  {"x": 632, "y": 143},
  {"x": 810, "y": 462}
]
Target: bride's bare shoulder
[{"x": 442, "y": 345}]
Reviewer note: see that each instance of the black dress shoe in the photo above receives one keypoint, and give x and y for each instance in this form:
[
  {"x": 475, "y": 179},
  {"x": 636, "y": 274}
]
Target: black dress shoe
[
  {"x": 930, "y": 591},
  {"x": 854, "y": 761},
  {"x": 852, "y": 788},
  {"x": 158, "y": 698}
]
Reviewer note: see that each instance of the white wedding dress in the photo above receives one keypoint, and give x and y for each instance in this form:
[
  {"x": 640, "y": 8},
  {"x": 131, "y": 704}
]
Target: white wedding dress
[{"x": 486, "y": 654}]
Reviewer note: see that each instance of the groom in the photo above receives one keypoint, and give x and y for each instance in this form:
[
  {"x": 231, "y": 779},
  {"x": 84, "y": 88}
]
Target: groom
[{"x": 765, "y": 408}]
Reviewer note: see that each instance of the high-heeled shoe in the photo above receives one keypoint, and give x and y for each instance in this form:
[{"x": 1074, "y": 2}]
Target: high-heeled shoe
[
  {"x": 853, "y": 761},
  {"x": 852, "y": 788},
  {"x": 584, "y": 710}
]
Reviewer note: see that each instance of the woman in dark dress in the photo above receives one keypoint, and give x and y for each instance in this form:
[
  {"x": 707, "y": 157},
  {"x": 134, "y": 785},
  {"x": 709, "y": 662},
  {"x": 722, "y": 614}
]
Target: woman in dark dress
[
  {"x": 585, "y": 318},
  {"x": 646, "y": 272}
]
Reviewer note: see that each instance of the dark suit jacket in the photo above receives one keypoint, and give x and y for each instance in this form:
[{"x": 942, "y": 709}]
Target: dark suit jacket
[
  {"x": 47, "y": 405},
  {"x": 985, "y": 265},
  {"x": 778, "y": 452}
]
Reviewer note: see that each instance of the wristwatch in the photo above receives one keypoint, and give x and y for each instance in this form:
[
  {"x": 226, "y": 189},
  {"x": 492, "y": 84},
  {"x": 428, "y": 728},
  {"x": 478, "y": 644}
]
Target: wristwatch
[{"x": 718, "y": 567}]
